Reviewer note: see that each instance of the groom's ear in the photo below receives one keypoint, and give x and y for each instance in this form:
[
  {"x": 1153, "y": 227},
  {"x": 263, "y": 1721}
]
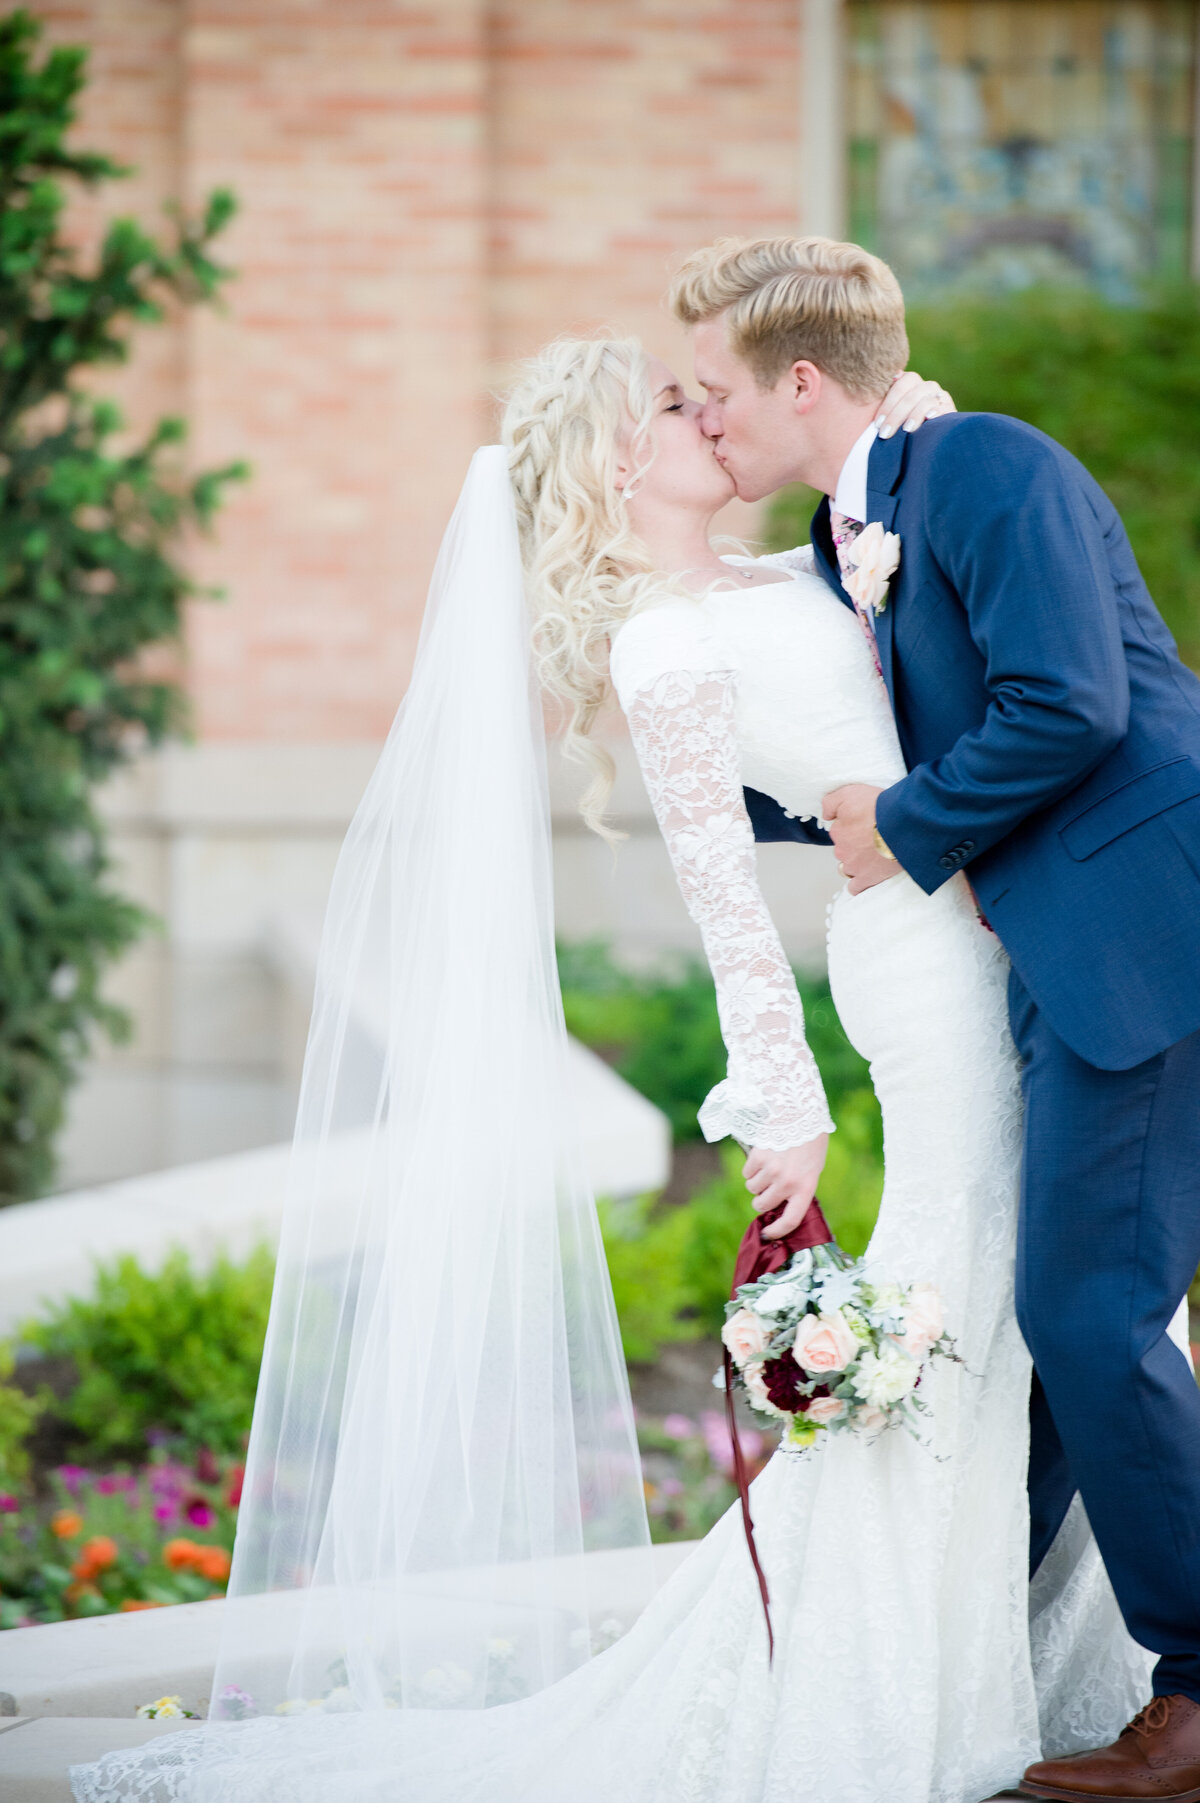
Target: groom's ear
[{"x": 804, "y": 381}]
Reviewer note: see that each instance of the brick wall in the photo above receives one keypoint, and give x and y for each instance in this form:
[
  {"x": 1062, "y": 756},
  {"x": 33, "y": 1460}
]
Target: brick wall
[{"x": 427, "y": 192}]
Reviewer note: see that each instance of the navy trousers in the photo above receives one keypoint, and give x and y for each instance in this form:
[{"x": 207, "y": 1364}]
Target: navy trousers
[{"x": 1108, "y": 1242}]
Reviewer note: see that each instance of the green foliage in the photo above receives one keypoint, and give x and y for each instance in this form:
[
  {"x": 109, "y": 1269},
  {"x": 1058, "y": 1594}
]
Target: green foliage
[
  {"x": 660, "y": 1030},
  {"x": 646, "y": 1249},
  {"x": 174, "y": 1350},
  {"x": 671, "y": 1267},
  {"x": 88, "y": 579},
  {"x": 1118, "y": 386},
  {"x": 18, "y": 1413}
]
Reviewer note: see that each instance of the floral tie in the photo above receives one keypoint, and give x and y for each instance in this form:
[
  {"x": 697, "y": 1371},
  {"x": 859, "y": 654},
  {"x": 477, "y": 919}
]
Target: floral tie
[{"x": 844, "y": 531}]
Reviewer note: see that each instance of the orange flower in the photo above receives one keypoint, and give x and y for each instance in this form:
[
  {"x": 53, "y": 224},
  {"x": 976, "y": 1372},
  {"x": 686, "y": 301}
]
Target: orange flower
[
  {"x": 131, "y": 1603},
  {"x": 95, "y": 1556},
  {"x": 75, "y": 1593},
  {"x": 180, "y": 1555},
  {"x": 212, "y": 1562},
  {"x": 66, "y": 1524}
]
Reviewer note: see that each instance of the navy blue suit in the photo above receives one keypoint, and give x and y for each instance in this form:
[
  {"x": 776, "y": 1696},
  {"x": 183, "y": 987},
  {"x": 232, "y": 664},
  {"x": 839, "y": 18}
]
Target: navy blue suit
[{"x": 1052, "y": 737}]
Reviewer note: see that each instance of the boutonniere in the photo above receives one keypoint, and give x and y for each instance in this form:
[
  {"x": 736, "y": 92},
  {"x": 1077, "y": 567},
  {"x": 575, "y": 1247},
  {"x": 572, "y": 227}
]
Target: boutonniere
[{"x": 876, "y": 557}]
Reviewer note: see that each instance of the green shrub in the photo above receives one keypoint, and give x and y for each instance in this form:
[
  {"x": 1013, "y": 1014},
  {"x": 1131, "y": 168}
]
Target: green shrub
[
  {"x": 645, "y": 1249},
  {"x": 175, "y": 1350},
  {"x": 18, "y": 1414},
  {"x": 91, "y": 525},
  {"x": 1118, "y": 386}
]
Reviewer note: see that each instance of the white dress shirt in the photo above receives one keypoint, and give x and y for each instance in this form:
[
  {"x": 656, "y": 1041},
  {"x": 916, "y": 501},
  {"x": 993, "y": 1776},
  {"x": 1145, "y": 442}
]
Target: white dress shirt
[{"x": 850, "y": 496}]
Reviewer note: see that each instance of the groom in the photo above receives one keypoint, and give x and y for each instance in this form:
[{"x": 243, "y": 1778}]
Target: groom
[{"x": 1052, "y": 738}]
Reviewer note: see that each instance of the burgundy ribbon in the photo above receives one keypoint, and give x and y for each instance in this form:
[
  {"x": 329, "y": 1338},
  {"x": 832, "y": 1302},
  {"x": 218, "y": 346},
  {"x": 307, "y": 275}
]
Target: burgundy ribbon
[{"x": 758, "y": 1257}]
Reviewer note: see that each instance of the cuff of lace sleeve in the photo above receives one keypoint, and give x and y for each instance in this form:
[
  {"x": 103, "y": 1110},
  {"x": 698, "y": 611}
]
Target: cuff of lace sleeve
[{"x": 737, "y": 1111}]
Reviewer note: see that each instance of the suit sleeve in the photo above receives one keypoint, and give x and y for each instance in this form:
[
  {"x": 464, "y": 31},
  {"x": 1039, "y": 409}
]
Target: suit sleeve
[{"x": 1019, "y": 540}]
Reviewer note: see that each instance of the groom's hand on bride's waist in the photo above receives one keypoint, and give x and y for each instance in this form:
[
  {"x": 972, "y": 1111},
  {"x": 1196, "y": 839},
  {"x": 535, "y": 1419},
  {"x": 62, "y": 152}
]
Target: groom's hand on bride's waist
[
  {"x": 792, "y": 1177},
  {"x": 861, "y": 854}
]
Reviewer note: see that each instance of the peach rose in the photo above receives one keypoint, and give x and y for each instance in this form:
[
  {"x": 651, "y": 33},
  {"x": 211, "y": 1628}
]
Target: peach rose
[
  {"x": 923, "y": 1320},
  {"x": 824, "y": 1409},
  {"x": 824, "y": 1343},
  {"x": 752, "y": 1377},
  {"x": 875, "y": 555},
  {"x": 746, "y": 1337}
]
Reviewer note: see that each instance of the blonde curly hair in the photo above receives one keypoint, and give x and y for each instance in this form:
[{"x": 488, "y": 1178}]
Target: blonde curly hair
[{"x": 565, "y": 423}]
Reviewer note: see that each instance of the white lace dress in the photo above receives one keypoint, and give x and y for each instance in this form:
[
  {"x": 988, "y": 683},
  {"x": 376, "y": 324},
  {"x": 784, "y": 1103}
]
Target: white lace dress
[{"x": 912, "y": 1663}]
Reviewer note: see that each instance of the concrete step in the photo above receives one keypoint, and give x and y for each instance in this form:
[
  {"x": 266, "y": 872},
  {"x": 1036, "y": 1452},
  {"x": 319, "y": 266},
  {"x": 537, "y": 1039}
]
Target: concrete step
[{"x": 36, "y": 1753}]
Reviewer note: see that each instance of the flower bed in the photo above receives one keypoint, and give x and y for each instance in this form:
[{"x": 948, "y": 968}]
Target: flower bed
[{"x": 119, "y": 1540}]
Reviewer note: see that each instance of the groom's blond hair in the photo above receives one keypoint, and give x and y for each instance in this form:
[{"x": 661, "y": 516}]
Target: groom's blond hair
[{"x": 791, "y": 300}]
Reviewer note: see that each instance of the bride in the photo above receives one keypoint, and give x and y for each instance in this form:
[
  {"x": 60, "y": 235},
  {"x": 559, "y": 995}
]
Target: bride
[{"x": 439, "y": 1584}]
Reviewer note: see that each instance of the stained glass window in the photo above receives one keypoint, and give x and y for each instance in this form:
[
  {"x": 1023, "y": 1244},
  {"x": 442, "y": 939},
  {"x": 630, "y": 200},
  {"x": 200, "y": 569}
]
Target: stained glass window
[{"x": 998, "y": 143}]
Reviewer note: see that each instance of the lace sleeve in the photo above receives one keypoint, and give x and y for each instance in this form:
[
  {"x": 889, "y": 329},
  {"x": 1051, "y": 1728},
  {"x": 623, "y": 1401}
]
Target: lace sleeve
[{"x": 683, "y": 732}]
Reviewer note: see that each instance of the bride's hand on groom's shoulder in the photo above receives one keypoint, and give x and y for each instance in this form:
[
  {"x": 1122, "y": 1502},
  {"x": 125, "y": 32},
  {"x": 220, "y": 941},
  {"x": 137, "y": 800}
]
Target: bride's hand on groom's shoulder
[
  {"x": 909, "y": 402},
  {"x": 792, "y": 1177}
]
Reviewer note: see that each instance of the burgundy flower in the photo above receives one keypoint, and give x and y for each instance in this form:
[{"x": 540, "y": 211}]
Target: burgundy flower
[
  {"x": 199, "y": 1512},
  {"x": 236, "y": 1479},
  {"x": 783, "y": 1377}
]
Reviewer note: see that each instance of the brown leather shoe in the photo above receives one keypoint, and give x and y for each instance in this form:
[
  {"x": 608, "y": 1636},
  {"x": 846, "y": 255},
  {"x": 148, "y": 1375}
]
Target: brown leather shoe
[{"x": 1157, "y": 1756}]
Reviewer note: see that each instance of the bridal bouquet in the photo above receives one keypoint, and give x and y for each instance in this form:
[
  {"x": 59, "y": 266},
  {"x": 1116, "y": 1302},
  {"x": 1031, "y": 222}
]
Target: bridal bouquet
[{"x": 823, "y": 1346}]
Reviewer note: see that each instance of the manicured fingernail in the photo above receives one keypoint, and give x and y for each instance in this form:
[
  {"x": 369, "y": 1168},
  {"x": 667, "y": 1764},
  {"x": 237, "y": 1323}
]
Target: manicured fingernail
[
  {"x": 910, "y": 425},
  {"x": 886, "y": 431}
]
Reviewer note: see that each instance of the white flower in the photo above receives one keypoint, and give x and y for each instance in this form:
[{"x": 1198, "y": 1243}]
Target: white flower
[
  {"x": 885, "y": 1377},
  {"x": 340, "y": 1701},
  {"x": 445, "y": 1686},
  {"x": 876, "y": 557},
  {"x": 150, "y": 1711},
  {"x": 746, "y": 997},
  {"x": 780, "y": 1298}
]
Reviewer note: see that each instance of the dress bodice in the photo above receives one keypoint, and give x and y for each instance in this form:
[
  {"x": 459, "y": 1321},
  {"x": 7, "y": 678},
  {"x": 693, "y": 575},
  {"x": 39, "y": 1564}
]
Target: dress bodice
[{"x": 810, "y": 709}]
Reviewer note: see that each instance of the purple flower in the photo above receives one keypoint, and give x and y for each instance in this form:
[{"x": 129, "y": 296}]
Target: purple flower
[
  {"x": 108, "y": 1485},
  {"x": 679, "y": 1427},
  {"x": 200, "y": 1513},
  {"x": 670, "y": 1486},
  {"x": 8, "y": 1504},
  {"x": 164, "y": 1511},
  {"x": 234, "y": 1704},
  {"x": 72, "y": 1477}
]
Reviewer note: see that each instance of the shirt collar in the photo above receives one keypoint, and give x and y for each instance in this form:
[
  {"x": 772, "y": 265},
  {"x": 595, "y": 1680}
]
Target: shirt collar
[{"x": 850, "y": 496}]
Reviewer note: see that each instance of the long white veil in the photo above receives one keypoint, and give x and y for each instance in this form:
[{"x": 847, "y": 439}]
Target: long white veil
[{"x": 443, "y": 1491}]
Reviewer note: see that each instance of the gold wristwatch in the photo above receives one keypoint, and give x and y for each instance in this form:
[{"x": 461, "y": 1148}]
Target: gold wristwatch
[{"x": 885, "y": 851}]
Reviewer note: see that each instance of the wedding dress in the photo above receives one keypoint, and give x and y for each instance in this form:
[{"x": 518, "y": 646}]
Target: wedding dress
[{"x": 913, "y": 1660}]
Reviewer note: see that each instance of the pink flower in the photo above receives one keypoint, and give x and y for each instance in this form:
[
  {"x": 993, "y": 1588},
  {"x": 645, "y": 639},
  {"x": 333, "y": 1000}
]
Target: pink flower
[
  {"x": 71, "y": 1478},
  {"x": 746, "y": 1336},
  {"x": 824, "y": 1343},
  {"x": 679, "y": 1427},
  {"x": 108, "y": 1485},
  {"x": 824, "y": 1409},
  {"x": 8, "y": 1504},
  {"x": 164, "y": 1511},
  {"x": 924, "y": 1322},
  {"x": 199, "y": 1513},
  {"x": 719, "y": 1444},
  {"x": 752, "y": 1377}
]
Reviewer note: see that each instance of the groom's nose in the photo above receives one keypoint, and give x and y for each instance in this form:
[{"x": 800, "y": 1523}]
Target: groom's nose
[{"x": 710, "y": 420}]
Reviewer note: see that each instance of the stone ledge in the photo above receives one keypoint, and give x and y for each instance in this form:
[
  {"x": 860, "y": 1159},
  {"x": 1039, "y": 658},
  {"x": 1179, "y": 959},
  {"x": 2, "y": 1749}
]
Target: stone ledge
[{"x": 35, "y": 1755}]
